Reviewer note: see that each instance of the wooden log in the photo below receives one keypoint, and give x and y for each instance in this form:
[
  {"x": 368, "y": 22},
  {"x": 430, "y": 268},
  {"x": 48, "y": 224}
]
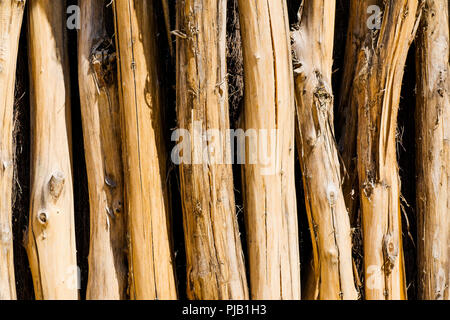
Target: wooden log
[
  {"x": 150, "y": 255},
  {"x": 97, "y": 76},
  {"x": 376, "y": 90},
  {"x": 270, "y": 200},
  {"x": 329, "y": 223},
  {"x": 11, "y": 14},
  {"x": 215, "y": 264},
  {"x": 433, "y": 152},
  {"x": 50, "y": 240}
]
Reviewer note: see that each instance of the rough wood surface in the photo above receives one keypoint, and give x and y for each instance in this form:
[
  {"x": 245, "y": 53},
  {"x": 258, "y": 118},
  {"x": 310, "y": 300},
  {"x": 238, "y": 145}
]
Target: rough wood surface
[
  {"x": 270, "y": 200},
  {"x": 376, "y": 90},
  {"x": 433, "y": 152},
  {"x": 97, "y": 75},
  {"x": 50, "y": 239},
  {"x": 11, "y": 14},
  {"x": 329, "y": 223},
  {"x": 150, "y": 256},
  {"x": 215, "y": 262}
]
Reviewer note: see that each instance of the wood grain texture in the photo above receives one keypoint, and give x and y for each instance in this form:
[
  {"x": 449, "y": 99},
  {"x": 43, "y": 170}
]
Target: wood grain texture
[
  {"x": 150, "y": 255},
  {"x": 97, "y": 76},
  {"x": 270, "y": 201},
  {"x": 215, "y": 262},
  {"x": 50, "y": 239},
  {"x": 312, "y": 42},
  {"x": 433, "y": 152},
  {"x": 376, "y": 90},
  {"x": 11, "y": 14}
]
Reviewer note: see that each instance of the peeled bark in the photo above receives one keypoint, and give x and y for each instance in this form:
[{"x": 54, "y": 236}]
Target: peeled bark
[
  {"x": 270, "y": 200},
  {"x": 101, "y": 128},
  {"x": 50, "y": 240},
  {"x": 150, "y": 256},
  {"x": 347, "y": 115},
  {"x": 215, "y": 263},
  {"x": 327, "y": 214},
  {"x": 376, "y": 90},
  {"x": 433, "y": 152},
  {"x": 11, "y": 13}
]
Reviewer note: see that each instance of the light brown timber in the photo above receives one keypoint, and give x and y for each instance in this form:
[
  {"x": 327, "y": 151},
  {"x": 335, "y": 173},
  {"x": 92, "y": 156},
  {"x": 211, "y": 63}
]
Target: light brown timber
[
  {"x": 433, "y": 152},
  {"x": 329, "y": 223},
  {"x": 97, "y": 76},
  {"x": 270, "y": 200},
  {"x": 11, "y": 14},
  {"x": 150, "y": 256},
  {"x": 50, "y": 239}
]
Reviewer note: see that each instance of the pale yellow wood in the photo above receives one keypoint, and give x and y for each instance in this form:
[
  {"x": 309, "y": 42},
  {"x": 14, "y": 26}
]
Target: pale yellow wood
[
  {"x": 11, "y": 13},
  {"x": 312, "y": 43},
  {"x": 97, "y": 75},
  {"x": 270, "y": 200},
  {"x": 50, "y": 239},
  {"x": 215, "y": 264},
  {"x": 433, "y": 152},
  {"x": 151, "y": 268}
]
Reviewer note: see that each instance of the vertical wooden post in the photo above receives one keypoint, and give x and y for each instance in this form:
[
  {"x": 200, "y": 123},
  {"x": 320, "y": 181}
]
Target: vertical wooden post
[
  {"x": 376, "y": 90},
  {"x": 215, "y": 264},
  {"x": 11, "y": 13},
  {"x": 50, "y": 238},
  {"x": 150, "y": 257},
  {"x": 270, "y": 200},
  {"x": 433, "y": 152},
  {"x": 97, "y": 75},
  {"x": 329, "y": 222}
]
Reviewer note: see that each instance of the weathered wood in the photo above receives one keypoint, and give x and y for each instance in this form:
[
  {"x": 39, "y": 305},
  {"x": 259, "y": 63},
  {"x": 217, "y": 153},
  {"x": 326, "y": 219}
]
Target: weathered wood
[
  {"x": 433, "y": 152},
  {"x": 270, "y": 200},
  {"x": 312, "y": 41},
  {"x": 215, "y": 264},
  {"x": 376, "y": 90},
  {"x": 50, "y": 239},
  {"x": 150, "y": 257},
  {"x": 97, "y": 76},
  {"x": 11, "y": 14}
]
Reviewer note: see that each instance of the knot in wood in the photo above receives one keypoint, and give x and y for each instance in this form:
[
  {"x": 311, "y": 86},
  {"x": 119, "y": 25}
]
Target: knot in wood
[
  {"x": 43, "y": 217},
  {"x": 56, "y": 184}
]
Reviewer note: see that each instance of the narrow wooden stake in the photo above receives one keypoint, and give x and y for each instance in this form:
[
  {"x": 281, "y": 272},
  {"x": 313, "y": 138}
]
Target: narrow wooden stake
[
  {"x": 270, "y": 200},
  {"x": 433, "y": 152},
  {"x": 50, "y": 239},
  {"x": 329, "y": 222},
  {"x": 97, "y": 75},
  {"x": 150, "y": 256},
  {"x": 215, "y": 264},
  {"x": 376, "y": 90},
  {"x": 11, "y": 14}
]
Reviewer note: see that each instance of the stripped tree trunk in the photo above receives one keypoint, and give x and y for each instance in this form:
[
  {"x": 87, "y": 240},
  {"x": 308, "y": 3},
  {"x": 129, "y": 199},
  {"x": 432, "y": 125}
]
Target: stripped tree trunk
[
  {"x": 328, "y": 218},
  {"x": 150, "y": 257},
  {"x": 433, "y": 152},
  {"x": 50, "y": 239},
  {"x": 215, "y": 263},
  {"x": 376, "y": 90},
  {"x": 101, "y": 128},
  {"x": 270, "y": 200},
  {"x": 11, "y": 13},
  {"x": 347, "y": 115}
]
